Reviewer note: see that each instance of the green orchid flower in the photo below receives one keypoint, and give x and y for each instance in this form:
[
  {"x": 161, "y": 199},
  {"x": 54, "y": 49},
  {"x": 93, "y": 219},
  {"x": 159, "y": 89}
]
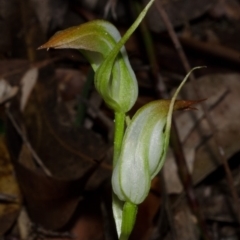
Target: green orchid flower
[
  {"x": 114, "y": 77},
  {"x": 144, "y": 148},
  {"x": 142, "y": 156}
]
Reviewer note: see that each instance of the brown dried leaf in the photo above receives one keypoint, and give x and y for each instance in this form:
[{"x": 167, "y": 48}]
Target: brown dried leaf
[
  {"x": 13, "y": 70},
  {"x": 227, "y": 8},
  {"x": 8, "y": 185},
  {"x": 28, "y": 81},
  {"x": 6, "y": 91},
  {"x": 185, "y": 223},
  {"x": 72, "y": 156},
  {"x": 222, "y": 93}
]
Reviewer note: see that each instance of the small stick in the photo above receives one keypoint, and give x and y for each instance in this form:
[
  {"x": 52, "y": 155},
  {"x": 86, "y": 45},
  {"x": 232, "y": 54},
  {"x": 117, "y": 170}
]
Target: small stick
[
  {"x": 215, "y": 50},
  {"x": 43, "y": 233},
  {"x": 7, "y": 198},
  {"x": 25, "y": 140}
]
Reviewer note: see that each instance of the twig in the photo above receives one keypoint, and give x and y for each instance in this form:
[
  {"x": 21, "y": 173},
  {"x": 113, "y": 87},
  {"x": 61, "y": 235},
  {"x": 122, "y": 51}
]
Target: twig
[
  {"x": 185, "y": 62},
  {"x": 186, "y": 179},
  {"x": 7, "y": 198},
  {"x": 22, "y": 69},
  {"x": 167, "y": 208},
  {"x": 216, "y": 50},
  {"x": 199, "y": 120},
  {"x": 25, "y": 140}
]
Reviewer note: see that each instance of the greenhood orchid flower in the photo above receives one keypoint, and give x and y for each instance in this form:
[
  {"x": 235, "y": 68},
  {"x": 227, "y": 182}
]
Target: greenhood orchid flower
[
  {"x": 144, "y": 148},
  {"x": 114, "y": 77}
]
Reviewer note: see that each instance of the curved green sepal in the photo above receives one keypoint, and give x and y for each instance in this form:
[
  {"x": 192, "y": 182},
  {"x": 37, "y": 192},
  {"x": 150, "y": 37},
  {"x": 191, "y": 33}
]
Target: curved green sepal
[{"x": 95, "y": 39}]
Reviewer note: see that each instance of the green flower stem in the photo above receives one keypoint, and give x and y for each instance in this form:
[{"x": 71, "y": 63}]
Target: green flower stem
[
  {"x": 117, "y": 204},
  {"x": 128, "y": 220},
  {"x": 118, "y": 135}
]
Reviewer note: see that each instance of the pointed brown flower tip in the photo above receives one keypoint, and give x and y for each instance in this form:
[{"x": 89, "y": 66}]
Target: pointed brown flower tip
[
  {"x": 42, "y": 47},
  {"x": 51, "y": 43},
  {"x": 64, "y": 38},
  {"x": 47, "y": 45},
  {"x": 186, "y": 104}
]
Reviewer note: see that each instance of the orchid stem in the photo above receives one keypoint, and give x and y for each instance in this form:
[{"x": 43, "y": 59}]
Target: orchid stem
[
  {"x": 128, "y": 219},
  {"x": 117, "y": 204},
  {"x": 118, "y": 135}
]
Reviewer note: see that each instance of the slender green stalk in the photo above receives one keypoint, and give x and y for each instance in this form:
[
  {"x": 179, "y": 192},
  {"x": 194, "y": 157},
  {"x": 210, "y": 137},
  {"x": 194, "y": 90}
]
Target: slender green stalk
[
  {"x": 128, "y": 220},
  {"x": 118, "y": 135},
  {"x": 117, "y": 204}
]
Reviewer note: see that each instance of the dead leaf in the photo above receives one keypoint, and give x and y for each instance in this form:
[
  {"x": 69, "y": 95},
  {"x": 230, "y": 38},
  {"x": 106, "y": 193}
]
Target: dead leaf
[
  {"x": 6, "y": 91},
  {"x": 226, "y": 8},
  {"x": 13, "y": 70},
  {"x": 24, "y": 224},
  {"x": 8, "y": 185},
  {"x": 89, "y": 222},
  {"x": 72, "y": 156},
  {"x": 71, "y": 83},
  {"x": 222, "y": 93},
  {"x": 185, "y": 223},
  {"x": 50, "y": 13},
  {"x": 28, "y": 81}
]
